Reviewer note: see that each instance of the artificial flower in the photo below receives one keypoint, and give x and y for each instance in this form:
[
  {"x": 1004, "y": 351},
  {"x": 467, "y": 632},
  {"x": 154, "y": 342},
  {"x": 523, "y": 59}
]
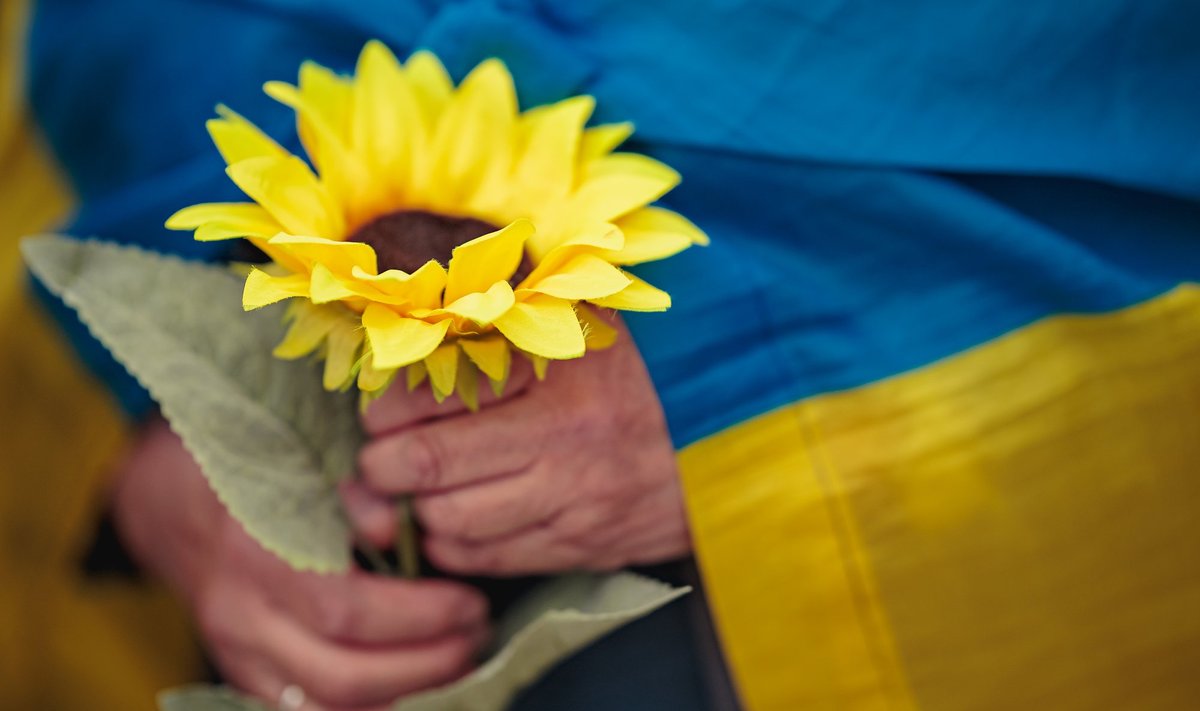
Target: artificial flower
[{"x": 437, "y": 228}]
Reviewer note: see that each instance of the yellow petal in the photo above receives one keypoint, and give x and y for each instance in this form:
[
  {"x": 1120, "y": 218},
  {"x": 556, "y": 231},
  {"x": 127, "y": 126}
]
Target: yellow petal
[
  {"x": 218, "y": 231},
  {"x": 237, "y": 139},
  {"x": 325, "y": 287},
  {"x": 643, "y": 247},
  {"x": 466, "y": 384},
  {"x": 310, "y": 326},
  {"x": 337, "y": 256},
  {"x": 473, "y": 141},
  {"x": 341, "y": 356},
  {"x": 618, "y": 184},
  {"x": 543, "y": 325},
  {"x": 262, "y": 289},
  {"x": 484, "y": 307},
  {"x": 397, "y": 341},
  {"x": 598, "y": 333},
  {"x": 371, "y": 378},
  {"x": 638, "y": 296},
  {"x": 431, "y": 85},
  {"x": 489, "y": 354},
  {"x": 599, "y": 141},
  {"x": 540, "y": 365},
  {"x": 442, "y": 365},
  {"x": 416, "y": 374},
  {"x": 327, "y": 98},
  {"x": 386, "y": 120},
  {"x": 224, "y": 220},
  {"x": 221, "y": 221},
  {"x": 476, "y": 265},
  {"x": 342, "y": 170},
  {"x": 546, "y": 166},
  {"x": 551, "y": 251},
  {"x": 366, "y": 397},
  {"x": 288, "y": 190},
  {"x": 584, "y": 276},
  {"x": 653, "y": 233},
  {"x": 498, "y": 385},
  {"x": 421, "y": 290}
]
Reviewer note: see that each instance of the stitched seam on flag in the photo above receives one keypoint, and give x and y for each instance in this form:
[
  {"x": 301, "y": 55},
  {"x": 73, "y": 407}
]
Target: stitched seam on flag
[
  {"x": 869, "y": 614},
  {"x": 861, "y": 599},
  {"x": 890, "y": 685},
  {"x": 872, "y": 618}
]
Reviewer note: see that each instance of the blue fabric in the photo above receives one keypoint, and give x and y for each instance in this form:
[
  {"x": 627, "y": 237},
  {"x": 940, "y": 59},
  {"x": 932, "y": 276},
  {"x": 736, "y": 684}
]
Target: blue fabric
[{"x": 885, "y": 184}]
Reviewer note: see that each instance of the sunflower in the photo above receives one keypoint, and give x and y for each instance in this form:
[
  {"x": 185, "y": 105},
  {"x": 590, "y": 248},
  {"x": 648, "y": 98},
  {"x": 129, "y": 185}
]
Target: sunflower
[{"x": 437, "y": 229}]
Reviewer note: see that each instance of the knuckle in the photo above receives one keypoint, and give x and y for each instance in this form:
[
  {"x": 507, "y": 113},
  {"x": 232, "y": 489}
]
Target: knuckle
[
  {"x": 442, "y": 514},
  {"x": 426, "y": 457},
  {"x": 578, "y": 526},
  {"x": 334, "y": 618}
]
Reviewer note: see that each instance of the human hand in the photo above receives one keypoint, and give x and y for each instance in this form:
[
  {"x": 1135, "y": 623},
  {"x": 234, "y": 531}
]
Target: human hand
[
  {"x": 353, "y": 641},
  {"x": 575, "y": 472}
]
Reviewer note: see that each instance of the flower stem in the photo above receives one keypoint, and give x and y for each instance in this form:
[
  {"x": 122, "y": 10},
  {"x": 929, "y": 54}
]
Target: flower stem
[{"x": 407, "y": 552}]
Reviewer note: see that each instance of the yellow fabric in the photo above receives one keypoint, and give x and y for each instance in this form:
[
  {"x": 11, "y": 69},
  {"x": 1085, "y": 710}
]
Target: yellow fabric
[
  {"x": 66, "y": 641},
  {"x": 1011, "y": 528}
]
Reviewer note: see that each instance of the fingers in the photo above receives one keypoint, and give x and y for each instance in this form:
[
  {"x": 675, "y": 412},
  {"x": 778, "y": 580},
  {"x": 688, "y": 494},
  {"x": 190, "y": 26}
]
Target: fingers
[
  {"x": 575, "y": 472},
  {"x": 398, "y": 408},
  {"x": 357, "y": 607},
  {"x": 263, "y": 650},
  {"x": 600, "y": 537},
  {"x": 538, "y": 550},
  {"x": 340, "y": 676},
  {"x": 493, "y": 508},
  {"x": 361, "y": 608},
  {"x": 451, "y": 452}
]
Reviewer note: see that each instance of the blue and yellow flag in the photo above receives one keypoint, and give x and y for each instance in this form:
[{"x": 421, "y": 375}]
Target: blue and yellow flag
[{"x": 935, "y": 383}]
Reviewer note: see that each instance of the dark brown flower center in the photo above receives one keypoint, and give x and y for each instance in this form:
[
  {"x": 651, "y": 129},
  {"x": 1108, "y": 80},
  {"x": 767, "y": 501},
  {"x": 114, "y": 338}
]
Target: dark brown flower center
[{"x": 407, "y": 239}]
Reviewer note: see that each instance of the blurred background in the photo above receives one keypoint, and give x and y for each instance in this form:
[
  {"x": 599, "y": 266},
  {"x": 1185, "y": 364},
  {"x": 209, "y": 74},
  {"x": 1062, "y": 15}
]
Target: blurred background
[{"x": 77, "y": 628}]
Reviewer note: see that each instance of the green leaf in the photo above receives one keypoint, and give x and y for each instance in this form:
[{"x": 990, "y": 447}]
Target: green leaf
[
  {"x": 553, "y": 622},
  {"x": 207, "y": 698},
  {"x": 271, "y": 441},
  {"x": 547, "y": 626}
]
